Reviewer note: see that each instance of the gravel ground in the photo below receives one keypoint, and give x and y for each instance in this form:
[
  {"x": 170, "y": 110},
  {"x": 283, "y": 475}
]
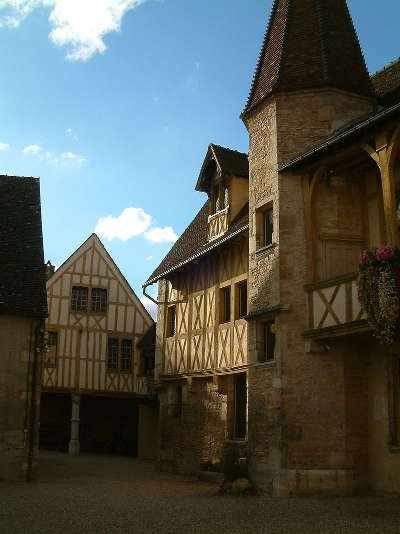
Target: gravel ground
[{"x": 107, "y": 494}]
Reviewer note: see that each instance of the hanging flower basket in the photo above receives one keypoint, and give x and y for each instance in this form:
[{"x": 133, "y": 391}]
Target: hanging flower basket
[{"x": 379, "y": 291}]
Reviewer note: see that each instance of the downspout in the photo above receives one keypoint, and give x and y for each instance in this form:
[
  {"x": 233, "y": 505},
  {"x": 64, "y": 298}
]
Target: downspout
[
  {"x": 149, "y": 297},
  {"x": 32, "y": 415},
  {"x": 28, "y": 374}
]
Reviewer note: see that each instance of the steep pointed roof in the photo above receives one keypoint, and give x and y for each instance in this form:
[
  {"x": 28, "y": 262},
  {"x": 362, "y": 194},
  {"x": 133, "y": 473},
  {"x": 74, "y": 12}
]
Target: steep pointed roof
[
  {"x": 94, "y": 241},
  {"x": 309, "y": 44},
  {"x": 226, "y": 160}
]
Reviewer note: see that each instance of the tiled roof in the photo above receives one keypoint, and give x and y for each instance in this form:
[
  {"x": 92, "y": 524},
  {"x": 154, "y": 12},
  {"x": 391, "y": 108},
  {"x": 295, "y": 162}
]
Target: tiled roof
[
  {"x": 309, "y": 44},
  {"x": 386, "y": 81},
  {"x": 227, "y": 161},
  {"x": 149, "y": 338},
  {"x": 194, "y": 243},
  {"x": 22, "y": 269},
  {"x": 231, "y": 161}
]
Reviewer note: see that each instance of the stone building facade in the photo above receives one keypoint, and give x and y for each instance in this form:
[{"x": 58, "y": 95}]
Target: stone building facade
[
  {"x": 322, "y": 406},
  {"x": 23, "y": 309}
]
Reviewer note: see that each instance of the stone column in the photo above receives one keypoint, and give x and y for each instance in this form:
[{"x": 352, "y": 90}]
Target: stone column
[{"x": 74, "y": 445}]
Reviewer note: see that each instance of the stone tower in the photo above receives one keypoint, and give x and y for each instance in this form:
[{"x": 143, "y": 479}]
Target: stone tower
[{"x": 311, "y": 79}]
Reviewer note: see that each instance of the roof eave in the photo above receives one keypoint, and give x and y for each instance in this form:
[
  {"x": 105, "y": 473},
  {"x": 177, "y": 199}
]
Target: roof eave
[{"x": 195, "y": 256}]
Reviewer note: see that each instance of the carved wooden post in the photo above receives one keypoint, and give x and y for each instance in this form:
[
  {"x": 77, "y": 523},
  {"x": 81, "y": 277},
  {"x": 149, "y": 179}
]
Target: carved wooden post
[
  {"x": 74, "y": 445},
  {"x": 383, "y": 155}
]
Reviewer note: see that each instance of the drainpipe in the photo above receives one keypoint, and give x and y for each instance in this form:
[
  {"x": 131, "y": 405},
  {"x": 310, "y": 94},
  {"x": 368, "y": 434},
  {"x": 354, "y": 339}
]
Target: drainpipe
[
  {"x": 38, "y": 340},
  {"x": 149, "y": 297}
]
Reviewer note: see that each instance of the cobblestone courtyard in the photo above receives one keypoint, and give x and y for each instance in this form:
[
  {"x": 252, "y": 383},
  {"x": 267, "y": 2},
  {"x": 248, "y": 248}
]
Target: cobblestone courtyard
[{"x": 105, "y": 494}]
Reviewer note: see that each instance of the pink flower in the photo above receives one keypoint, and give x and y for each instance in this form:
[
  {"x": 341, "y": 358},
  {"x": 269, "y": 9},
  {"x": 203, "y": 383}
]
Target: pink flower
[
  {"x": 384, "y": 253},
  {"x": 364, "y": 261}
]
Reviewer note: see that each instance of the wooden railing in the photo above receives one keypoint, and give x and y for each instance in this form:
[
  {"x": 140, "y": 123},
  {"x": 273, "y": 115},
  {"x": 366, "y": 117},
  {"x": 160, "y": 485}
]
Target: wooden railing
[
  {"x": 333, "y": 308},
  {"x": 217, "y": 224}
]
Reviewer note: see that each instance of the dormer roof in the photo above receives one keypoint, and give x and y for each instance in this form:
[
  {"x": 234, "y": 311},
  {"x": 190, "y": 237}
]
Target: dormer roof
[
  {"x": 309, "y": 44},
  {"x": 224, "y": 161}
]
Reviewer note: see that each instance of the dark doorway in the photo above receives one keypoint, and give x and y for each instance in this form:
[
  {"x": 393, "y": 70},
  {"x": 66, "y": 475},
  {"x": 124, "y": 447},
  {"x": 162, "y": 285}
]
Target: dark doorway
[
  {"x": 108, "y": 425},
  {"x": 55, "y": 417}
]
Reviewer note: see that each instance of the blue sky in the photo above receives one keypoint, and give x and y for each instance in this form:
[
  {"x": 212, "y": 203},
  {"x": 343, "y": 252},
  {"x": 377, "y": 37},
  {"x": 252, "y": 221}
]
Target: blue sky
[{"x": 112, "y": 103}]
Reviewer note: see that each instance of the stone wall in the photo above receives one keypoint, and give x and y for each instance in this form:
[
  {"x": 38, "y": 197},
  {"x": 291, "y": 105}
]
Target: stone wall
[
  {"x": 16, "y": 350},
  {"x": 301, "y": 406},
  {"x": 197, "y": 435}
]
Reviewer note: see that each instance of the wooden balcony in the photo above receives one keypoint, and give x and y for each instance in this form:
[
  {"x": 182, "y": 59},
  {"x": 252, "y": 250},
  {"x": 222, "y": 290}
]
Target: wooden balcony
[
  {"x": 217, "y": 224},
  {"x": 333, "y": 308}
]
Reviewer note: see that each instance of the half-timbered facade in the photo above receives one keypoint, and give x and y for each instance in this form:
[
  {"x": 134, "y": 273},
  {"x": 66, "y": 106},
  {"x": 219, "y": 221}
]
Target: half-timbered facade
[
  {"x": 201, "y": 354},
  {"x": 322, "y": 398},
  {"x": 95, "y": 322}
]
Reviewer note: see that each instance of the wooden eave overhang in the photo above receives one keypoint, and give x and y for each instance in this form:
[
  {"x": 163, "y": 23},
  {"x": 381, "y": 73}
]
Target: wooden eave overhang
[
  {"x": 197, "y": 255},
  {"x": 342, "y": 137}
]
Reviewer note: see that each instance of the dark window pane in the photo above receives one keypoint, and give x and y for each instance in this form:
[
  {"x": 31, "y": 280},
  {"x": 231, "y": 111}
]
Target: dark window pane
[
  {"x": 216, "y": 199},
  {"x": 242, "y": 299},
  {"x": 126, "y": 355},
  {"x": 268, "y": 227},
  {"x": 177, "y": 409},
  {"x": 112, "y": 354},
  {"x": 269, "y": 341},
  {"x": 99, "y": 300},
  {"x": 51, "y": 355},
  {"x": 240, "y": 406},
  {"x": 171, "y": 321},
  {"x": 79, "y": 299},
  {"x": 225, "y": 304}
]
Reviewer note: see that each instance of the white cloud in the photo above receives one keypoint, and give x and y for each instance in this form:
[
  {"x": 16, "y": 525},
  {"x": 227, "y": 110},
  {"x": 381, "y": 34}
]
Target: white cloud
[
  {"x": 161, "y": 235},
  {"x": 4, "y": 146},
  {"x": 31, "y": 149},
  {"x": 73, "y": 157},
  {"x": 80, "y": 25},
  {"x": 70, "y": 133},
  {"x": 131, "y": 222}
]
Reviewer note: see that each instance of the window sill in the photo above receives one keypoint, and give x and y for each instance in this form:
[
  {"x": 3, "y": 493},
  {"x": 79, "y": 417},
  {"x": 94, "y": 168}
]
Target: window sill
[
  {"x": 237, "y": 441},
  {"x": 264, "y": 364},
  {"x": 394, "y": 449},
  {"x": 264, "y": 251}
]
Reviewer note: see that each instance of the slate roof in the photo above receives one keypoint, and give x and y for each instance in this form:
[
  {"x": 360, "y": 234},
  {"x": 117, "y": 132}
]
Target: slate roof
[
  {"x": 194, "y": 243},
  {"x": 386, "y": 82},
  {"x": 309, "y": 44},
  {"x": 149, "y": 338},
  {"x": 230, "y": 162},
  {"x": 22, "y": 269}
]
